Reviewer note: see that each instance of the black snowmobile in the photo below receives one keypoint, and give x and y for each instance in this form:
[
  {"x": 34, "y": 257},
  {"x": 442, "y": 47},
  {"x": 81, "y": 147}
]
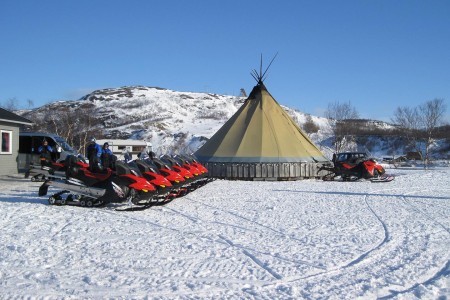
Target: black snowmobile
[{"x": 84, "y": 187}]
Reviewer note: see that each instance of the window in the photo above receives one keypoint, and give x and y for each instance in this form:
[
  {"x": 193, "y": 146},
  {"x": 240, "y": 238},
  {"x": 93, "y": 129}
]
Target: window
[
  {"x": 6, "y": 139},
  {"x": 25, "y": 144},
  {"x": 138, "y": 148}
]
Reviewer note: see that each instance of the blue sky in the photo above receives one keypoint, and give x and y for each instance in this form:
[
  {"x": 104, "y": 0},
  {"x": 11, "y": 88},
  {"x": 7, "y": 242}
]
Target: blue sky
[{"x": 378, "y": 55}]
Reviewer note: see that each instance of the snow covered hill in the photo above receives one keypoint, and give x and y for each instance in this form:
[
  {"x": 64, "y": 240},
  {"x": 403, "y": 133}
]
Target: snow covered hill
[
  {"x": 166, "y": 118},
  {"x": 305, "y": 239}
]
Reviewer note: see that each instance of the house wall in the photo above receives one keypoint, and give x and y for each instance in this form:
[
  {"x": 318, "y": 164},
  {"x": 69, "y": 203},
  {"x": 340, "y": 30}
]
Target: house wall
[{"x": 8, "y": 162}]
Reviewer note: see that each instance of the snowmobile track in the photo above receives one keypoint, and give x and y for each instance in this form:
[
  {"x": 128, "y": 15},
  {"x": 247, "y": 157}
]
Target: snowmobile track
[
  {"x": 338, "y": 271},
  {"x": 381, "y": 244},
  {"x": 444, "y": 272},
  {"x": 248, "y": 220},
  {"x": 246, "y": 250},
  {"x": 425, "y": 214},
  {"x": 253, "y": 258}
]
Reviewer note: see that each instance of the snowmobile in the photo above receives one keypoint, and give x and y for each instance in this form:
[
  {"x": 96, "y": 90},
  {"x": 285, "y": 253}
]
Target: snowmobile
[
  {"x": 185, "y": 163},
  {"x": 165, "y": 191},
  {"x": 84, "y": 187},
  {"x": 138, "y": 190},
  {"x": 353, "y": 166},
  {"x": 49, "y": 169},
  {"x": 199, "y": 171},
  {"x": 198, "y": 165},
  {"x": 193, "y": 161},
  {"x": 190, "y": 178},
  {"x": 176, "y": 179},
  {"x": 176, "y": 166}
]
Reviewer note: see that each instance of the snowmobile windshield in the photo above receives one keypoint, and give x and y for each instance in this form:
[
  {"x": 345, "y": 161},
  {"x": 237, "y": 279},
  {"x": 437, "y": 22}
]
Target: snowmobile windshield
[
  {"x": 179, "y": 160},
  {"x": 162, "y": 165},
  {"x": 134, "y": 168},
  {"x": 187, "y": 159},
  {"x": 169, "y": 160},
  {"x": 191, "y": 157},
  {"x": 152, "y": 166},
  {"x": 64, "y": 145}
]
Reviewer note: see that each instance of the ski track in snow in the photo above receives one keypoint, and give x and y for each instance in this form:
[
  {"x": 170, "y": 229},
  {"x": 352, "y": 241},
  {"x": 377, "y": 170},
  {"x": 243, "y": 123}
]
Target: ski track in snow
[{"x": 229, "y": 239}]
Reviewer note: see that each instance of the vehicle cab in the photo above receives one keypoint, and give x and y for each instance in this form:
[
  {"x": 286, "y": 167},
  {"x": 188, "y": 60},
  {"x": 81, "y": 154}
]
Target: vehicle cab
[
  {"x": 29, "y": 143},
  {"x": 349, "y": 157}
]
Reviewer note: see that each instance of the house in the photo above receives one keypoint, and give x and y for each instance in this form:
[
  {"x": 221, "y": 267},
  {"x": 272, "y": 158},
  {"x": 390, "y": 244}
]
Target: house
[{"x": 10, "y": 124}]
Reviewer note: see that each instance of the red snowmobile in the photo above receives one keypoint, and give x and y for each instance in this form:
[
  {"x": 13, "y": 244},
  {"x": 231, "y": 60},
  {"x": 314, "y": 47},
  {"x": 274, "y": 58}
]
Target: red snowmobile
[
  {"x": 179, "y": 182},
  {"x": 352, "y": 166},
  {"x": 200, "y": 172},
  {"x": 48, "y": 169},
  {"x": 165, "y": 189},
  {"x": 82, "y": 187},
  {"x": 177, "y": 167}
]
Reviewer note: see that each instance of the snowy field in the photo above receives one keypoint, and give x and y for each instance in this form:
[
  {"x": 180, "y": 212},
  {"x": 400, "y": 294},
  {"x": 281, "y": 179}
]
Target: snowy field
[{"x": 235, "y": 240}]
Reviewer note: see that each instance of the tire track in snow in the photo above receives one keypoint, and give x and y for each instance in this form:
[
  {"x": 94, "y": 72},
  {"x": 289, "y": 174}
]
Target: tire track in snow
[
  {"x": 123, "y": 215},
  {"x": 248, "y": 220},
  {"x": 424, "y": 213},
  {"x": 443, "y": 272},
  {"x": 385, "y": 240},
  {"x": 198, "y": 221},
  {"x": 253, "y": 258},
  {"x": 387, "y": 236},
  {"x": 351, "y": 263},
  {"x": 225, "y": 240},
  {"x": 361, "y": 257},
  {"x": 245, "y": 250},
  {"x": 383, "y": 224},
  {"x": 242, "y": 249}
]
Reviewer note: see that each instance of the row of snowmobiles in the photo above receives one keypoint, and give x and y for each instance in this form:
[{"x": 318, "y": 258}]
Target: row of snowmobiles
[{"x": 131, "y": 185}]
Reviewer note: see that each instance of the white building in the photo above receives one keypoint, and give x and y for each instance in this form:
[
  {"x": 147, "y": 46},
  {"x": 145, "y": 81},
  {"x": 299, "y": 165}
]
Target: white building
[{"x": 118, "y": 147}]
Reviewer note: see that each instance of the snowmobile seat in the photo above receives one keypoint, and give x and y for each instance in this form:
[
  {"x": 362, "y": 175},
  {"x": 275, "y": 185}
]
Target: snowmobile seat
[
  {"x": 122, "y": 168},
  {"x": 143, "y": 167},
  {"x": 71, "y": 166}
]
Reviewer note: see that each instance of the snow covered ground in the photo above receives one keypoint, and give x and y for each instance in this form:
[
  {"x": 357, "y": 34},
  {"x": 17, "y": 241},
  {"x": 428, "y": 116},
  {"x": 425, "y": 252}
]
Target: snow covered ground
[{"x": 232, "y": 240}]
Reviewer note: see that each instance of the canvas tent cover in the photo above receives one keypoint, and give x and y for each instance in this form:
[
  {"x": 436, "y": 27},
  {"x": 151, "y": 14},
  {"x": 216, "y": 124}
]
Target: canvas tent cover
[{"x": 260, "y": 132}]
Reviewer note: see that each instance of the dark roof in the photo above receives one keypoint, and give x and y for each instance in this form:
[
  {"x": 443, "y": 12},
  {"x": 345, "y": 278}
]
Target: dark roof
[{"x": 7, "y": 116}]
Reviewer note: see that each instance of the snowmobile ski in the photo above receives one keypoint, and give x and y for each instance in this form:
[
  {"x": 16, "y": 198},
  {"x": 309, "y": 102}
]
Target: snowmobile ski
[
  {"x": 132, "y": 207},
  {"x": 384, "y": 178}
]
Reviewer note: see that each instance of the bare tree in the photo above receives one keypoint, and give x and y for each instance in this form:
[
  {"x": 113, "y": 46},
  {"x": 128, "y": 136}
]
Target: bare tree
[
  {"x": 86, "y": 127},
  {"x": 431, "y": 116},
  {"x": 62, "y": 123},
  {"x": 409, "y": 121},
  {"x": 11, "y": 104},
  {"x": 30, "y": 103},
  {"x": 337, "y": 114},
  {"x": 75, "y": 125}
]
